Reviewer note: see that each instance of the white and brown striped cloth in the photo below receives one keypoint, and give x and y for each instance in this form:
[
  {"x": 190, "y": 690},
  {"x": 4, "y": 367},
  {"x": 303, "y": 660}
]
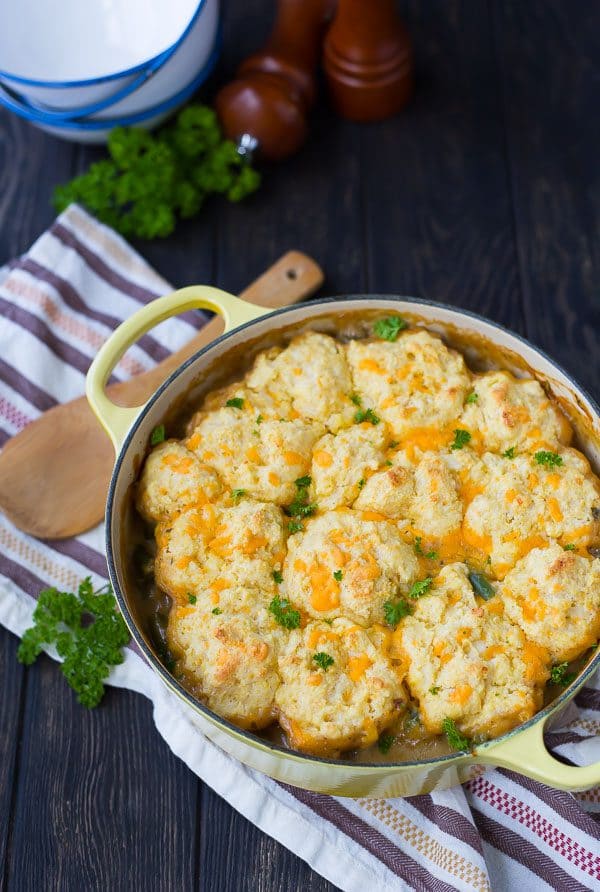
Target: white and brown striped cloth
[{"x": 501, "y": 831}]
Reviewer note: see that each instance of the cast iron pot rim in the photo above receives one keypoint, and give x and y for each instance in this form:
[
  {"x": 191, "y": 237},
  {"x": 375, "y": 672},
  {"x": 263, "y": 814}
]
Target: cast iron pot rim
[{"x": 214, "y": 717}]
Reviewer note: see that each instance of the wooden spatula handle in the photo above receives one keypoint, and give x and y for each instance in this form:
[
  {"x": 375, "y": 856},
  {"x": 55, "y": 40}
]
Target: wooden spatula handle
[
  {"x": 291, "y": 278},
  {"x": 275, "y": 87}
]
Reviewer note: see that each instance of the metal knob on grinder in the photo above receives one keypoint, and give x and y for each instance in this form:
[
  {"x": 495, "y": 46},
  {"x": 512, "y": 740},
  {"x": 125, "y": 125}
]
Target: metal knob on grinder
[{"x": 265, "y": 109}]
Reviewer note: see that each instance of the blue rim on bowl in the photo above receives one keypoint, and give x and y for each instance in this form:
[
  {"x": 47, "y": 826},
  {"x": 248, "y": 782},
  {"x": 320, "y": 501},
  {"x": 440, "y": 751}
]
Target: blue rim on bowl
[
  {"x": 145, "y": 64},
  {"x": 42, "y": 117}
]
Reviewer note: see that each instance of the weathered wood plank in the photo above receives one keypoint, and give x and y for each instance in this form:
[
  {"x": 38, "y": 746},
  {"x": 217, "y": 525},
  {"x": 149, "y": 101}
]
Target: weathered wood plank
[
  {"x": 548, "y": 54},
  {"x": 11, "y": 722},
  {"x": 437, "y": 203},
  {"x": 101, "y": 802},
  {"x": 237, "y": 857}
]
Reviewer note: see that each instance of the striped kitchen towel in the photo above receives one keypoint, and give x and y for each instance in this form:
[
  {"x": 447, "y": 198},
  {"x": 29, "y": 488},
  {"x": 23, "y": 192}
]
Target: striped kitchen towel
[{"x": 500, "y": 831}]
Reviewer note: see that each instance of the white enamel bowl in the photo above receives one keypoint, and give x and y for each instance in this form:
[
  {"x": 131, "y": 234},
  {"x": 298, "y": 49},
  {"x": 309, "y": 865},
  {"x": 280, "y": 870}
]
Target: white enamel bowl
[{"x": 80, "y": 69}]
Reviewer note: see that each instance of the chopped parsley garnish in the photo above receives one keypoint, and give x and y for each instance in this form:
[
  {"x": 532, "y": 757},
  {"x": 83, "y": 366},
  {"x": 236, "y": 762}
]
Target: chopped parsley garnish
[
  {"x": 323, "y": 660},
  {"x": 570, "y": 547},
  {"x": 550, "y": 459},
  {"x": 235, "y": 403},
  {"x": 472, "y": 397},
  {"x": 431, "y": 555},
  {"x": 418, "y": 589},
  {"x": 217, "y": 611},
  {"x": 389, "y": 327},
  {"x": 456, "y": 740},
  {"x": 435, "y": 689},
  {"x": 393, "y": 444},
  {"x": 301, "y": 507},
  {"x": 89, "y": 634},
  {"x": 259, "y": 419},
  {"x": 284, "y": 613},
  {"x": 385, "y": 743},
  {"x": 295, "y": 526},
  {"x": 158, "y": 435},
  {"x": 237, "y": 494},
  {"x": 481, "y": 585},
  {"x": 461, "y": 438},
  {"x": 337, "y": 575},
  {"x": 388, "y": 463},
  {"x": 560, "y": 674},
  {"x": 356, "y": 399},
  {"x": 278, "y": 576},
  {"x": 361, "y": 483},
  {"x": 192, "y": 598},
  {"x": 366, "y": 415},
  {"x": 395, "y": 611},
  {"x": 510, "y": 453}
]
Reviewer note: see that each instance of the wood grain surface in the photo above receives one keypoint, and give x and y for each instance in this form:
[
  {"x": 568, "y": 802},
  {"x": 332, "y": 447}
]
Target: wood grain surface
[{"x": 484, "y": 193}]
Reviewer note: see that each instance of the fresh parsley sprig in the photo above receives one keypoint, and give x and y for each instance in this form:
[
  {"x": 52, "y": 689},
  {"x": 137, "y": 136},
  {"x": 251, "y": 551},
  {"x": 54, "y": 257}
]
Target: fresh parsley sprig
[
  {"x": 151, "y": 179},
  {"x": 366, "y": 415},
  {"x": 550, "y": 459},
  {"x": 284, "y": 613},
  {"x": 389, "y": 327},
  {"x": 461, "y": 438},
  {"x": 300, "y": 507},
  {"x": 88, "y": 632},
  {"x": 323, "y": 660},
  {"x": 456, "y": 740}
]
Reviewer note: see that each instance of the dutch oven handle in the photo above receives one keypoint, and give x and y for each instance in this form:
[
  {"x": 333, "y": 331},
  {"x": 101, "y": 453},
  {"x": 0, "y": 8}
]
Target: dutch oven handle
[
  {"x": 117, "y": 420},
  {"x": 525, "y": 752}
]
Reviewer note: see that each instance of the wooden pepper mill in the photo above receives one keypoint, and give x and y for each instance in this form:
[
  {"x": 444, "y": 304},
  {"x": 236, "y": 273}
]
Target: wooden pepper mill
[
  {"x": 266, "y": 107},
  {"x": 368, "y": 60}
]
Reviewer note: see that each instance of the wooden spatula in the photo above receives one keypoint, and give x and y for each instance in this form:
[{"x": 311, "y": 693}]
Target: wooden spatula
[{"x": 54, "y": 474}]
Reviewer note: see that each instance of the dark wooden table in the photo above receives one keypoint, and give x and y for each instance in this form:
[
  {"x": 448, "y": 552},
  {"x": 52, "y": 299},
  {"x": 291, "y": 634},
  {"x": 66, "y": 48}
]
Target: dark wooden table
[{"x": 484, "y": 194}]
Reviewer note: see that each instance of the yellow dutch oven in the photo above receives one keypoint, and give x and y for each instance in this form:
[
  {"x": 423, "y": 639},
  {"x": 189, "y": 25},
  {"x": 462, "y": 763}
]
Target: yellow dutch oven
[{"x": 522, "y": 749}]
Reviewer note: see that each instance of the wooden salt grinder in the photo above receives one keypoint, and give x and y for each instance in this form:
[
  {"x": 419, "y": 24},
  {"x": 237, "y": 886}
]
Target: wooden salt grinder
[
  {"x": 368, "y": 60},
  {"x": 266, "y": 107}
]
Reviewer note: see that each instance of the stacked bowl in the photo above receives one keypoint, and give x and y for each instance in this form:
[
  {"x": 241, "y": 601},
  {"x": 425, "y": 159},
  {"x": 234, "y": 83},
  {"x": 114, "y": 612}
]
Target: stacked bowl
[{"x": 78, "y": 70}]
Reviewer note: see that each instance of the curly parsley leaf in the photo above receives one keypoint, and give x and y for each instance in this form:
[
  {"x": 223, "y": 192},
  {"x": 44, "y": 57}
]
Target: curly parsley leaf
[
  {"x": 337, "y": 575},
  {"x": 237, "y": 494},
  {"x": 560, "y": 674},
  {"x": 430, "y": 555},
  {"x": 456, "y": 740},
  {"x": 301, "y": 507},
  {"x": 550, "y": 459},
  {"x": 192, "y": 598},
  {"x": 481, "y": 585},
  {"x": 389, "y": 327},
  {"x": 217, "y": 611},
  {"x": 158, "y": 435},
  {"x": 278, "y": 576},
  {"x": 323, "y": 660},
  {"x": 284, "y": 613},
  {"x": 418, "y": 589},
  {"x": 235, "y": 402},
  {"x": 356, "y": 399},
  {"x": 385, "y": 743},
  {"x": 149, "y": 180},
  {"x": 88, "y": 632},
  {"x": 435, "y": 689},
  {"x": 366, "y": 415},
  {"x": 394, "y": 611},
  {"x": 295, "y": 526},
  {"x": 461, "y": 438},
  {"x": 472, "y": 397},
  {"x": 510, "y": 453}
]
